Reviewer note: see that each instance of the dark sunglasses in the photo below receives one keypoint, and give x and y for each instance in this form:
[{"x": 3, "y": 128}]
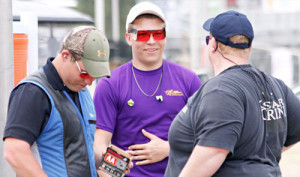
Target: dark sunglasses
[
  {"x": 144, "y": 35},
  {"x": 207, "y": 39}
]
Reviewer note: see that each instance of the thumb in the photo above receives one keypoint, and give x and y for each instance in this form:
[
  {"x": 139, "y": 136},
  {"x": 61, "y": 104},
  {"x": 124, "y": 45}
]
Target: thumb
[{"x": 148, "y": 135}]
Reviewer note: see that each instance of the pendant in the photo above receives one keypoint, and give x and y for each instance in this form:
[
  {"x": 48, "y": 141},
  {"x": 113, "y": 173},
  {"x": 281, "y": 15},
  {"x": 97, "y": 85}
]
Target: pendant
[
  {"x": 159, "y": 98},
  {"x": 130, "y": 103}
]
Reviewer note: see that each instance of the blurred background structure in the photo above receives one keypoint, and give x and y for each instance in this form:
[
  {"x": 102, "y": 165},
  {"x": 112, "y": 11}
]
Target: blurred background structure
[{"x": 276, "y": 46}]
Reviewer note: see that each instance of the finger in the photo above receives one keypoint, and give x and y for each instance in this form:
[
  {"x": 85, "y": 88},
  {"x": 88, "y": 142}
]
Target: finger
[
  {"x": 127, "y": 171},
  {"x": 130, "y": 152},
  {"x": 148, "y": 135},
  {"x": 136, "y": 146},
  {"x": 144, "y": 162},
  {"x": 140, "y": 157},
  {"x": 140, "y": 152},
  {"x": 130, "y": 165}
]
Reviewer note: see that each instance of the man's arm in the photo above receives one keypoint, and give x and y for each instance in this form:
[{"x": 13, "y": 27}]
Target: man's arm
[
  {"x": 151, "y": 152},
  {"x": 204, "y": 161},
  {"x": 101, "y": 142},
  {"x": 18, "y": 154}
]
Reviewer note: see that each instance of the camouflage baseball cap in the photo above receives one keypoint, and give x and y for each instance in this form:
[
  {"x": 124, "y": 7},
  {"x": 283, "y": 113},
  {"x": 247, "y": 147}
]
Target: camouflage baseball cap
[{"x": 92, "y": 46}]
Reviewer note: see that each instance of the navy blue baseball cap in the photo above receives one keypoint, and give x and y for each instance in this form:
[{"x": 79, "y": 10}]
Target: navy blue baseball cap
[{"x": 228, "y": 24}]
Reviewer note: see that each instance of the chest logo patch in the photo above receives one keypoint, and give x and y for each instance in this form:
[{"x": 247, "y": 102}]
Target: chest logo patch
[{"x": 173, "y": 93}]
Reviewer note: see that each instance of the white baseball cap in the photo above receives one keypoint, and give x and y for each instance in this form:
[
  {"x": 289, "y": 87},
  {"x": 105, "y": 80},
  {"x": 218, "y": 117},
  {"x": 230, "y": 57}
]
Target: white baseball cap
[{"x": 143, "y": 8}]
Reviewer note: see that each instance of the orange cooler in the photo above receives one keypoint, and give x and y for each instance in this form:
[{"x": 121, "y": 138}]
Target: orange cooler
[{"x": 20, "y": 57}]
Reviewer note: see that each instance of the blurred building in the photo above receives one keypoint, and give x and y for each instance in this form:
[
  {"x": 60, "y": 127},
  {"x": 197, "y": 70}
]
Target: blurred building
[
  {"x": 53, "y": 24},
  {"x": 277, "y": 33}
]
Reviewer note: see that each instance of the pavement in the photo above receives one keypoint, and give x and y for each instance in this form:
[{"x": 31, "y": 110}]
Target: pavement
[{"x": 290, "y": 162}]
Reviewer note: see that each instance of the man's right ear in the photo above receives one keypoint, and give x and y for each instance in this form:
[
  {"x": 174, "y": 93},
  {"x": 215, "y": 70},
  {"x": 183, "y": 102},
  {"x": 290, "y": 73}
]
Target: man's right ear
[
  {"x": 64, "y": 54},
  {"x": 128, "y": 39}
]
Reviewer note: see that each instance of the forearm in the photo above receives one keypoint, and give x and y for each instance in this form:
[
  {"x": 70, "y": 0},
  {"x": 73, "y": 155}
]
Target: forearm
[
  {"x": 20, "y": 157},
  {"x": 204, "y": 161},
  {"x": 101, "y": 142}
]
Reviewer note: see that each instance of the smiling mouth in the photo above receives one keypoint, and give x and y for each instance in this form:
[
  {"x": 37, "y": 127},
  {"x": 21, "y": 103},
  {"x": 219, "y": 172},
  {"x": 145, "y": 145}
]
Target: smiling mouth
[{"x": 151, "y": 50}]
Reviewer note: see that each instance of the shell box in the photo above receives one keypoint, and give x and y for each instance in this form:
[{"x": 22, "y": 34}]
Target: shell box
[{"x": 115, "y": 161}]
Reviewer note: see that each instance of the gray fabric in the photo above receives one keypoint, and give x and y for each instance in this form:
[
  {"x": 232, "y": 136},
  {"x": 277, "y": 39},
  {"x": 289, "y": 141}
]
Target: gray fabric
[{"x": 229, "y": 112}]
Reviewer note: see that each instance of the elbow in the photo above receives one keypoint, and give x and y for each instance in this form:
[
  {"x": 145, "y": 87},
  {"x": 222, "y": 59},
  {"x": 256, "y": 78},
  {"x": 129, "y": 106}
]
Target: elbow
[{"x": 9, "y": 155}]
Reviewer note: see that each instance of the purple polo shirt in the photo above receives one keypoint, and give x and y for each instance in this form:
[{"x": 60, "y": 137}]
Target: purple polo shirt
[{"x": 125, "y": 122}]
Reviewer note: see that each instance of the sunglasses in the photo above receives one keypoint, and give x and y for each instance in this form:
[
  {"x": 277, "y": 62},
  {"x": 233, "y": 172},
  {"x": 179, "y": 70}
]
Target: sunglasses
[
  {"x": 83, "y": 74},
  {"x": 144, "y": 35},
  {"x": 207, "y": 39}
]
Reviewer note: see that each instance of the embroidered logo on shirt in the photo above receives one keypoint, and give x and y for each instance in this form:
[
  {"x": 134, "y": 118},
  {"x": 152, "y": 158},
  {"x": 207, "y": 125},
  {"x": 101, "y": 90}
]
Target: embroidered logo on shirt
[
  {"x": 173, "y": 93},
  {"x": 92, "y": 115}
]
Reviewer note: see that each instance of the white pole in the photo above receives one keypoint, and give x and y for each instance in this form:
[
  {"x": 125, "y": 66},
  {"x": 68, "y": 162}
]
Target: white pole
[
  {"x": 194, "y": 35},
  {"x": 30, "y": 21},
  {"x": 115, "y": 20},
  {"x": 6, "y": 74},
  {"x": 100, "y": 15}
]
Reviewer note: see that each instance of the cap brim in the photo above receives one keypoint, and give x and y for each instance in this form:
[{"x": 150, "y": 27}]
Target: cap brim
[
  {"x": 96, "y": 69},
  {"x": 207, "y": 24}
]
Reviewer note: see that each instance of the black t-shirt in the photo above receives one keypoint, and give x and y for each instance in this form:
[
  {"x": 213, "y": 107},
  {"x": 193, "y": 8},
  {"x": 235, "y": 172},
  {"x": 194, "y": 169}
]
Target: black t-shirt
[
  {"x": 231, "y": 112},
  {"x": 29, "y": 107}
]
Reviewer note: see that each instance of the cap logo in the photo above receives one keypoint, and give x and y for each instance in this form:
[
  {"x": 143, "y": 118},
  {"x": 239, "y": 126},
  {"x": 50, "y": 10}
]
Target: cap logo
[{"x": 100, "y": 53}]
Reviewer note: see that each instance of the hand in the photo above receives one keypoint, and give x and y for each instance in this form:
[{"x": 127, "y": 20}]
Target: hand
[
  {"x": 151, "y": 152},
  {"x": 130, "y": 165},
  {"x": 101, "y": 172}
]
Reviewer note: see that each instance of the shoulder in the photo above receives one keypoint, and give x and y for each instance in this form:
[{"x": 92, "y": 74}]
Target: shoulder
[
  {"x": 117, "y": 73},
  {"x": 28, "y": 89},
  {"x": 118, "y": 76},
  {"x": 177, "y": 67},
  {"x": 221, "y": 84}
]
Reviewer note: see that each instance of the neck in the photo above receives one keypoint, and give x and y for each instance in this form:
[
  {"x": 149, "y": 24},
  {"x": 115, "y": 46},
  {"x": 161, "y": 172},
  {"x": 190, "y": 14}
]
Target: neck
[
  {"x": 147, "y": 66},
  {"x": 223, "y": 62},
  {"x": 57, "y": 65}
]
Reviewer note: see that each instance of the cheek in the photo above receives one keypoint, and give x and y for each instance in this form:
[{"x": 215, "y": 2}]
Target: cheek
[{"x": 162, "y": 44}]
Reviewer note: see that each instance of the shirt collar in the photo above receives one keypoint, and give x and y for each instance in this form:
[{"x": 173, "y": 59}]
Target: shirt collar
[{"x": 53, "y": 76}]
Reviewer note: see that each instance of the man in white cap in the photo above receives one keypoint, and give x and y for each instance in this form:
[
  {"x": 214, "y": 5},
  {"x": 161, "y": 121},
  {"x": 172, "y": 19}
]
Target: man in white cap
[
  {"x": 51, "y": 118},
  {"x": 136, "y": 106}
]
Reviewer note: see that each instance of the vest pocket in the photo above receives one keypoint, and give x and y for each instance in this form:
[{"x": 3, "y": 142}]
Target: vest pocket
[{"x": 92, "y": 121}]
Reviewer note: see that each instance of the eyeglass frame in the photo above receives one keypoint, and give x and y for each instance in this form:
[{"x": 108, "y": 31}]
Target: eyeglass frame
[
  {"x": 83, "y": 74},
  {"x": 135, "y": 31}
]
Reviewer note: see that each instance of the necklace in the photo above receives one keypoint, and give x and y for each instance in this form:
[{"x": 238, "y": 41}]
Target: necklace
[{"x": 137, "y": 83}]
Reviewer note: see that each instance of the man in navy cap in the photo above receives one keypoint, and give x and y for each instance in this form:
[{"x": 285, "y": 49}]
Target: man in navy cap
[{"x": 239, "y": 122}]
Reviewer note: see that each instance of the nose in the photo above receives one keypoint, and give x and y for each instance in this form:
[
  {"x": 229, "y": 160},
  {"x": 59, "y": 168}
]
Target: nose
[
  {"x": 151, "y": 40},
  {"x": 89, "y": 81}
]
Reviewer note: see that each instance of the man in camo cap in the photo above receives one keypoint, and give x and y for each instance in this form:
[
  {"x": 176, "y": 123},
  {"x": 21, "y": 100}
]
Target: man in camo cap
[{"x": 51, "y": 118}]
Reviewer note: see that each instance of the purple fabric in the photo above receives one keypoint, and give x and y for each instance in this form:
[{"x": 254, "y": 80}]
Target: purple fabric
[{"x": 125, "y": 122}]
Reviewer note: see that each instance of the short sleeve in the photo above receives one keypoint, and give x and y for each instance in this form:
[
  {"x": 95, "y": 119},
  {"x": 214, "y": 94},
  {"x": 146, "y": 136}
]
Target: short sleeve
[
  {"x": 293, "y": 118},
  {"x": 219, "y": 120},
  {"x": 105, "y": 105},
  {"x": 28, "y": 112}
]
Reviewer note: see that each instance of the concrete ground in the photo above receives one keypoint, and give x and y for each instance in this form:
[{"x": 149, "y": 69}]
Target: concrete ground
[{"x": 290, "y": 162}]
